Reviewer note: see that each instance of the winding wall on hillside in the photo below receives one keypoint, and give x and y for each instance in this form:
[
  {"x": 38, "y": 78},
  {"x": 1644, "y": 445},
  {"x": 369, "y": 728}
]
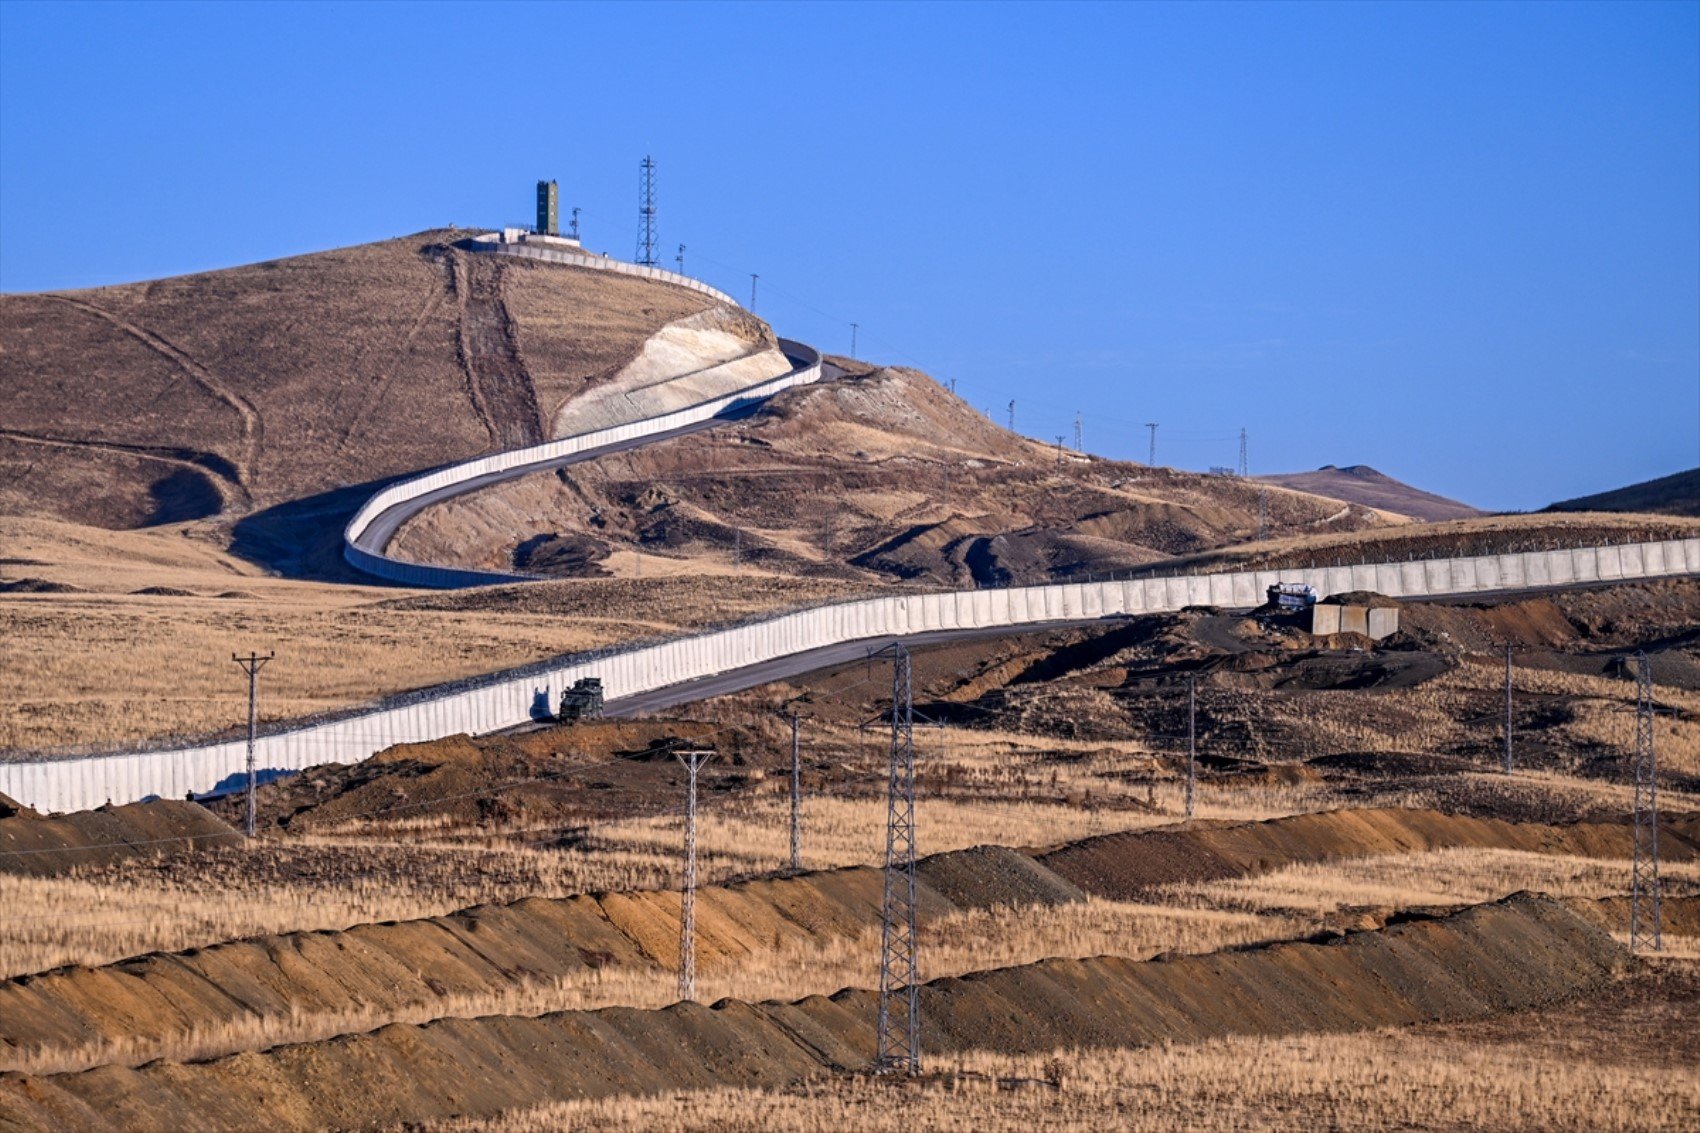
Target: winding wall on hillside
[
  {"x": 513, "y": 698},
  {"x": 517, "y": 696}
]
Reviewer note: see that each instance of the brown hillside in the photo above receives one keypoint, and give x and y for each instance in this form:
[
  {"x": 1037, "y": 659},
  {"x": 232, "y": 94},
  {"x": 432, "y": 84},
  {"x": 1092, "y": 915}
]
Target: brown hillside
[
  {"x": 1361, "y": 484},
  {"x": 1676, "y": 494},
  {"x": 882, "y": 474},
  {"x": 233, "y": 390}
]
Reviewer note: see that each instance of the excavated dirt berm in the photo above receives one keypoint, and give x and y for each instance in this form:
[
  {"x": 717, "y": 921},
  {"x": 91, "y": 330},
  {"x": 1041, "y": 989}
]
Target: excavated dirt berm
[{"x": 1516, "y": 954}]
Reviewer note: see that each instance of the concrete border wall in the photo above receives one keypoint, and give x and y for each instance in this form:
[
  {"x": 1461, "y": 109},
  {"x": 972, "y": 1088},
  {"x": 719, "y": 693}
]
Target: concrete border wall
[
  {"x": 373, "y": 561},
  {"x": 492, "y": 243},
  {"x": 81, "y": 783}
]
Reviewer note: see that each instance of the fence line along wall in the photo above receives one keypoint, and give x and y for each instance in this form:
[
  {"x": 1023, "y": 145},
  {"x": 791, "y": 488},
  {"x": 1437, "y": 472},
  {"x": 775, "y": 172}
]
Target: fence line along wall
[
  {"x": 359, "y": 552},
  {"x": 493, "y": 243},
  {"x": 80, "y": 783}
]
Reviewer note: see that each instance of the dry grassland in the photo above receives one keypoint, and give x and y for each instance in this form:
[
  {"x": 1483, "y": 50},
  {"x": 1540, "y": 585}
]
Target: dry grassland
[
  {"x": 96, "y": 917},
  {"x": 166, "y": 670},
  {"x": 165, "y": 661},
  {"x": 1438, "y": 877},
  {"x": 1605, "y": 1066},
  {"x": 752, "y": 835}
]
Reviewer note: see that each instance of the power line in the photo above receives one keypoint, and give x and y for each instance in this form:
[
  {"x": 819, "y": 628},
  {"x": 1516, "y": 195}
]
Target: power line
[
  {"x": 252, "y": 664},
  {"x": 693, "y": 761},
  {"x": 899, "y": 1024},
  {"x": 1644, "y": 912},
  {"x": 1191, "y": 743},
  {"x": 1508, "y": 709},
  {"x": 796, "y": 796}
]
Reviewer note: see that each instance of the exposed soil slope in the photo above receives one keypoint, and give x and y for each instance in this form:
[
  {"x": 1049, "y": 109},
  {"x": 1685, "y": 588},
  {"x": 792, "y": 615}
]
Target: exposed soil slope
[
  {"x": 1361, "y": 484},
  {"x": 1134, "y": 865},
  {"x": 1676, "y": 494},
  {"x": 46, "y": 846},
  {"x": 131, "y": 1011},
  {"x": 1512, "y": 955},
  {"x": 233, "y": 390},
  {"x": 883, "y": 474}
]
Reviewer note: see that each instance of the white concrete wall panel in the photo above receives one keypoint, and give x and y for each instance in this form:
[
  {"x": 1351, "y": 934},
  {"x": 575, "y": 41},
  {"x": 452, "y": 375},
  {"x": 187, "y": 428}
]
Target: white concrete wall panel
[{"x": 89, "y": 781}]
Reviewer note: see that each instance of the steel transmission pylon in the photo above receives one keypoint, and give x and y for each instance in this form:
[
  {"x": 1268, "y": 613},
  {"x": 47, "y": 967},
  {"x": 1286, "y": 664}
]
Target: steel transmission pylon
[
  {"x": 1079, "y": 442},
  {"x": 252, "y": 664},
  {"x": 646, "y": 213},
  {"x": 693, "y": 761},
  {"x": 1245, "y": 462},
  {"x": 1151, "y": 457},
  {"x": 899, "y": 1025},
  {"x": 1644, "y": 913},
  {"x": 796, "y": 797},
  {"x": 1191, "y": 744},
  {"x": 1508, "y": 710}
]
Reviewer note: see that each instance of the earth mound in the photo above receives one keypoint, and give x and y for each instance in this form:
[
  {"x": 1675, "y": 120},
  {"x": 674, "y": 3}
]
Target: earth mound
[
  {"x": 1511, "y": 955},
  {"x": 50, "y": 845}
]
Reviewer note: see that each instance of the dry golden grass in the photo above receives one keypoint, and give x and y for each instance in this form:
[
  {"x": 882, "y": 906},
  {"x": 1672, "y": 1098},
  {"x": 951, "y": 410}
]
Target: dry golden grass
[
  {"x": 141, "y": 906},
  {"x": 165, "y": 661},
  {"x": 166, "y": 666},
  {"x": 1542, "y": 1072},
  {"x": 751, "y": 834},
  {"x": 1438, "y": 877}
]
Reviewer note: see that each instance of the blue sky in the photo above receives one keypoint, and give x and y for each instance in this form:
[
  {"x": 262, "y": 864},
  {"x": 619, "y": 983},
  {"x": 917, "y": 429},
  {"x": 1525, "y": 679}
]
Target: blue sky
[{"x": 1459, "y": 242}]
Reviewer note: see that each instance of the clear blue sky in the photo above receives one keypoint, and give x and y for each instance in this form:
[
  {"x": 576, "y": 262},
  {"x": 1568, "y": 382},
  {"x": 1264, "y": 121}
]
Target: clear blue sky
[{"x": 1459, "y": 242}]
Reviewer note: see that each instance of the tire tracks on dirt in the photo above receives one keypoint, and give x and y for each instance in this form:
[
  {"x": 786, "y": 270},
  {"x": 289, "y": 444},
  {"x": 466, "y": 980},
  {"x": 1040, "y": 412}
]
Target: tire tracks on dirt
[
  {"x": 253, "y": 427},
  {"x": 498, "y": 383}
]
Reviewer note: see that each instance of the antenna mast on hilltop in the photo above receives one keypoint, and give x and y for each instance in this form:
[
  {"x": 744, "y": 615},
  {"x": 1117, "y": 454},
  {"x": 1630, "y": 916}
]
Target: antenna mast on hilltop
[
  {"x": 646, "y": 213},
  {"x": 1245, "y": 464},
  {"x": 1152, "y": 459}
]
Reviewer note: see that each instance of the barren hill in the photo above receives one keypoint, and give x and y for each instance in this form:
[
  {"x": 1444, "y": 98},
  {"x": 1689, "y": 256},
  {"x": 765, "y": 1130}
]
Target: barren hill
[
  {"x": 1676, "y": 494},
  {"x": 1361, "y": 484},
  {"x": 881, "y": 474},
  {"x": 229, "y": 391}
]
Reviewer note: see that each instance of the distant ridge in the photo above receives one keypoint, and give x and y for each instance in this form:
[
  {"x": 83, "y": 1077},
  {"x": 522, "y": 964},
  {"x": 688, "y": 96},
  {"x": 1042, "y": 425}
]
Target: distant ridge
[
  {"x": 1363, "y": 485},
  {"x": 1676, "y": 494}
]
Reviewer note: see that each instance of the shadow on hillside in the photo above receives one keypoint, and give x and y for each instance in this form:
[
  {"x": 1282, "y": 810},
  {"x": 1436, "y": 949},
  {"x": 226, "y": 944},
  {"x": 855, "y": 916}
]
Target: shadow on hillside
[{"x": 303, "y": 538}]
